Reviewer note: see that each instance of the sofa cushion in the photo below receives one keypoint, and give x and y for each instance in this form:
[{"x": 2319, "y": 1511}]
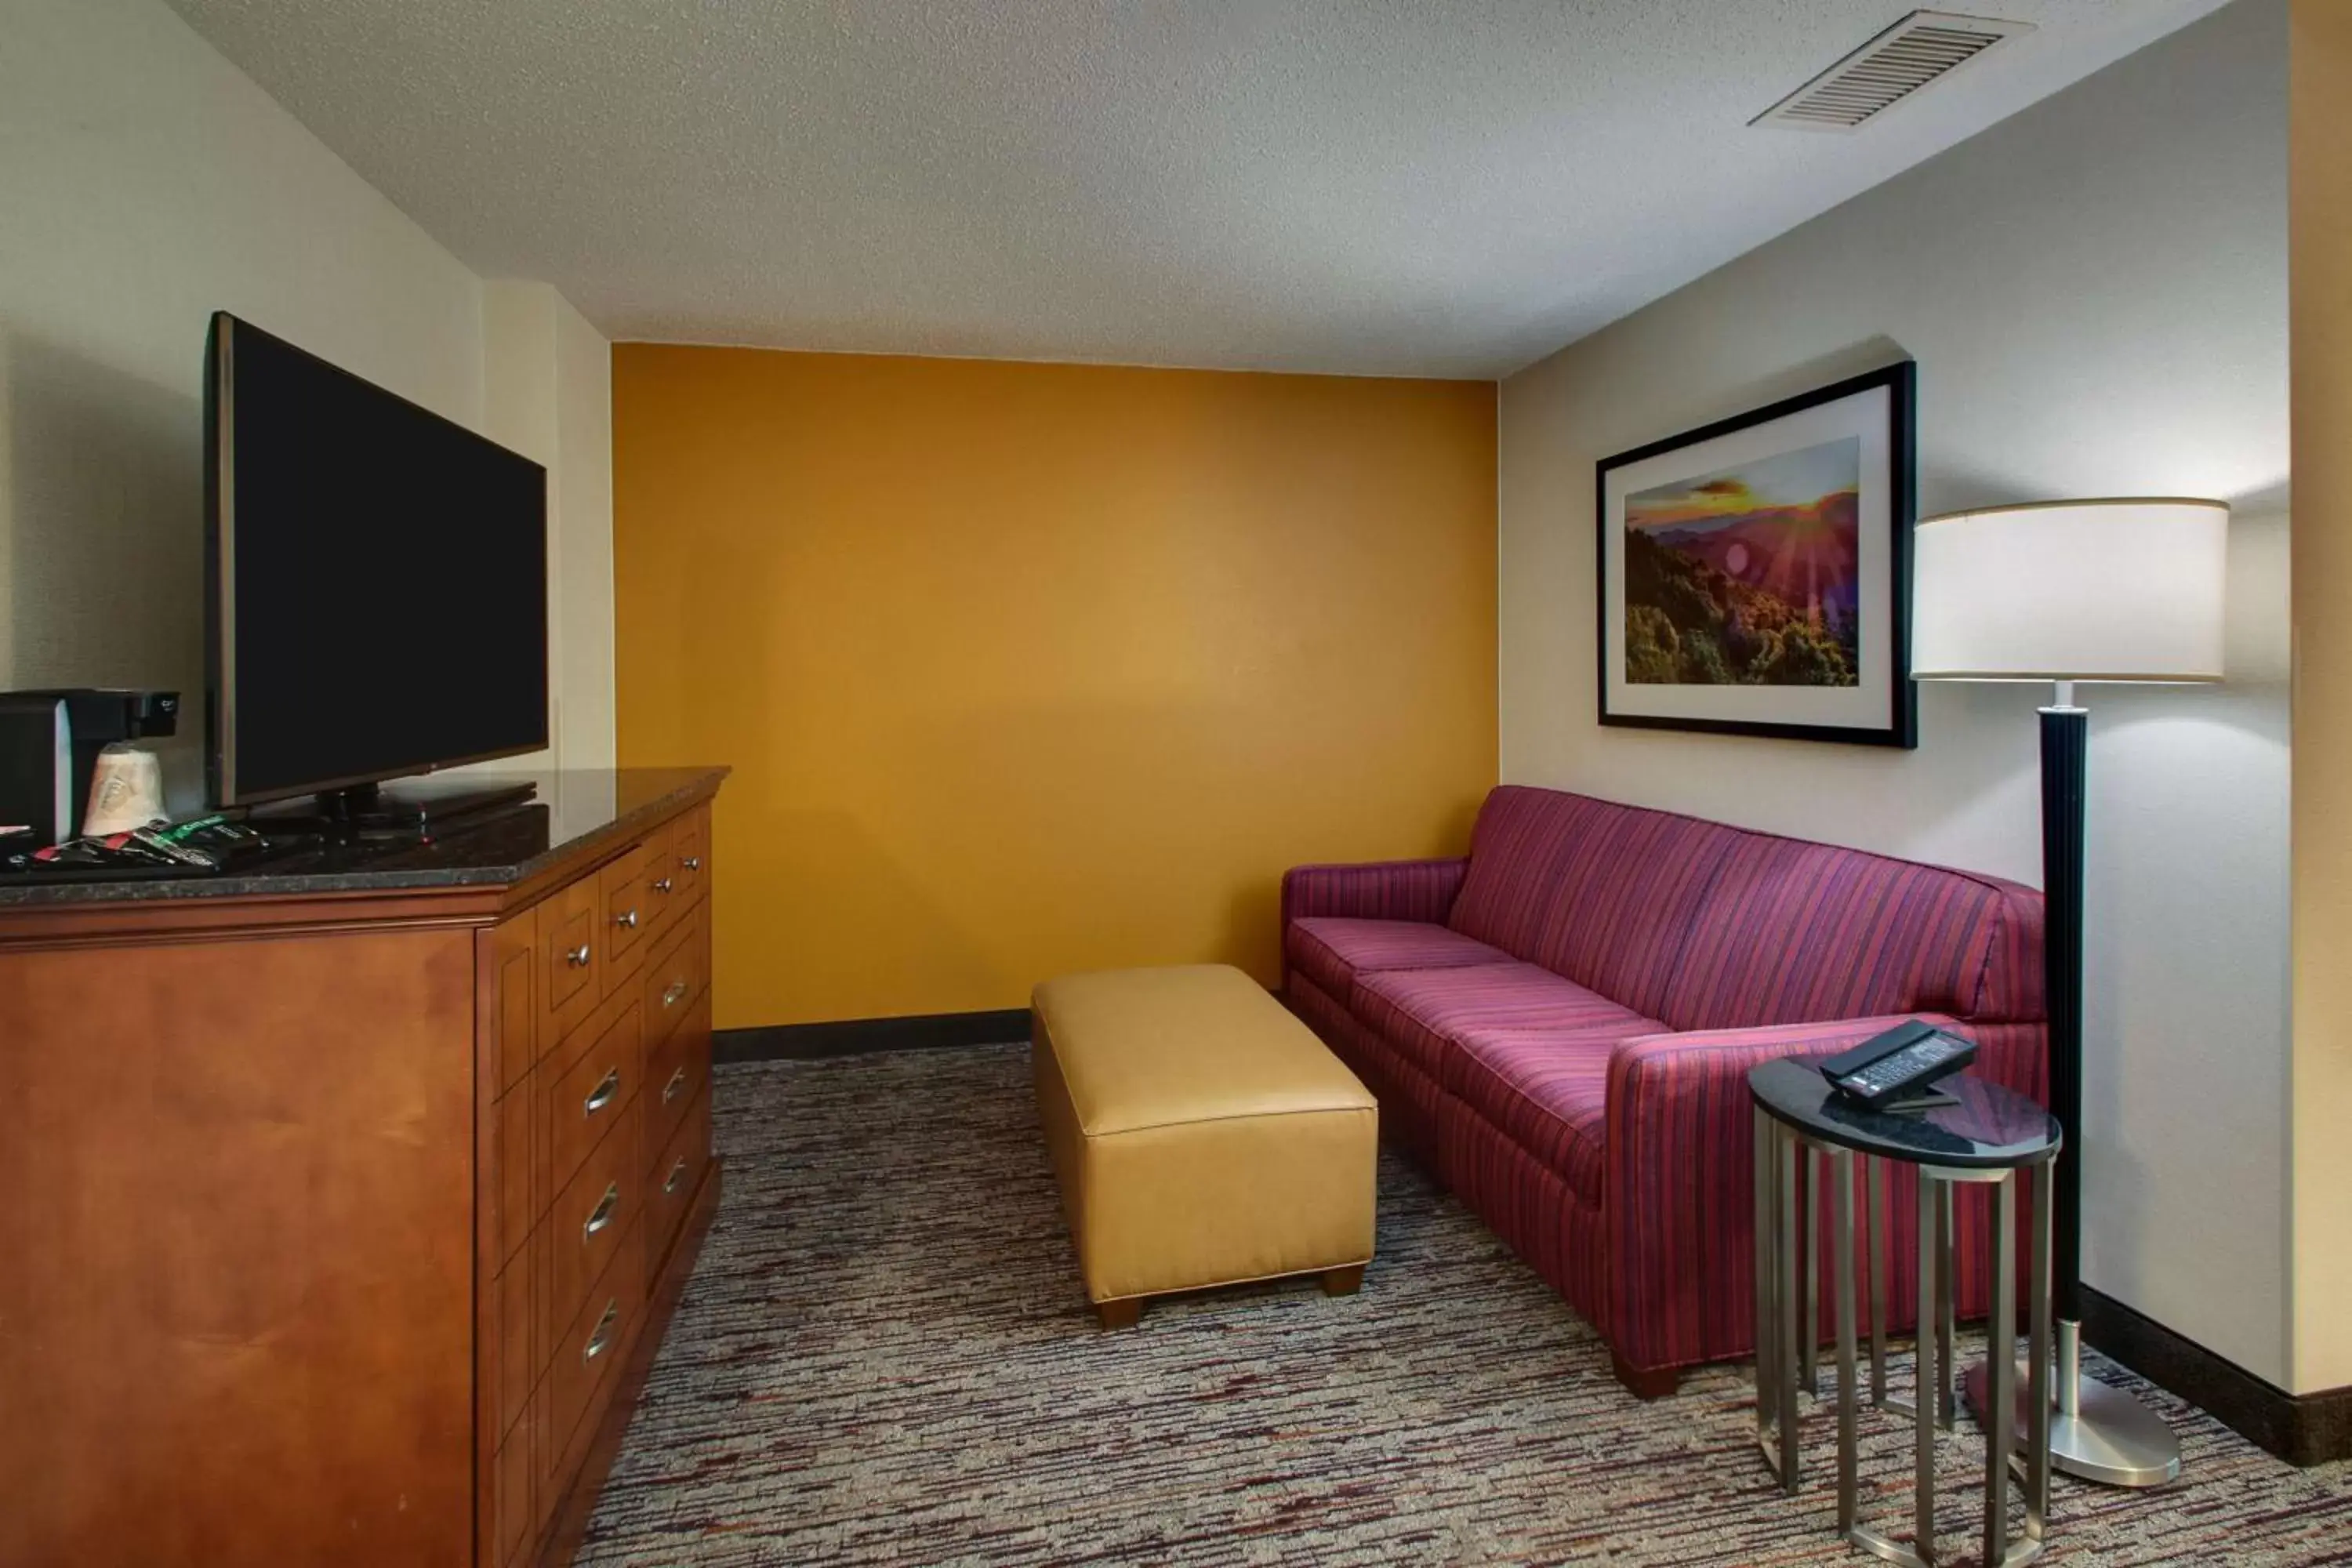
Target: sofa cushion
[
  {"x": 1792, "y": 933},
  {"x": 1332, "y": 950},
  {"x": 1603, "y": 894},
  {"x": 1426, "y": 1013},
  {"x": 1546, "y": 1090}
]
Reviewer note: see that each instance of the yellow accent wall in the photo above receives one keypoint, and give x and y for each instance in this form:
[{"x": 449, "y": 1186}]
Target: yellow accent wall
[{"x": 1025, "y": 668}]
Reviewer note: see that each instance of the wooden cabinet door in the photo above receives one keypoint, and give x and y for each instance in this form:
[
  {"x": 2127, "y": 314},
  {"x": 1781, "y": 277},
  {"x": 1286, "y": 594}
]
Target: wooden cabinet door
[
  {"x": 506, "y": 953},
  {"x": 626, "y": 912},
  {"x": 690, "y": 854},
  {"x": 241, "y": 1212},
  {"x": 572, "y": 957}
]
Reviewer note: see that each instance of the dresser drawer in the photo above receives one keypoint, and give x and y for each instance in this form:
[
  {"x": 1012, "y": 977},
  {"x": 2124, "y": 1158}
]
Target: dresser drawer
[
  {"x": 588, "y": 1353},
  {"x": 581, "y": 1103},
  {"x": 625, "y": 915},
  {"x": 677, "y": 1073},
  {"x": 675, "y": 976},
  {"x": 690, "y": 854},
  {"x": 571, "y": 960},
  {"x": 664, "y": 890},
  {"x": 672, "y": 1180},
  {"x": 595, "y": 1210}
]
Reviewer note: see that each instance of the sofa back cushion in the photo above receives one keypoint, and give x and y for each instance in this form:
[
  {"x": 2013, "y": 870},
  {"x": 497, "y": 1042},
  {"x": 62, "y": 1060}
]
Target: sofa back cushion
[
  {"x": 1791, "y": 932},
  {"x": 1604, "y": 894},
  {"x": 1710, "y": 927}
]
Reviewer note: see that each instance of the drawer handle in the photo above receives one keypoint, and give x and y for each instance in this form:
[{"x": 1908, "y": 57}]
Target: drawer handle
[
  {"x": 601, "y": 1095},
  {"x": 677, "y": 1081},
  {"x": 627, "y": 922},
  {"x": 577, "y": 957},
  {"x": 692, "y": 862},
  {"x": 674, "y": 995},
  {"x": 677, "y": 1174},
  {"x": 662, "y": 886},
  {"x": 603, "y": 1214},
  {"x": 603, "y": 1337}
]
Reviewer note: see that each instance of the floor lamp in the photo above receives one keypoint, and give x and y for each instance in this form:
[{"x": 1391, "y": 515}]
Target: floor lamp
[{"x": 2071, "y": 591}]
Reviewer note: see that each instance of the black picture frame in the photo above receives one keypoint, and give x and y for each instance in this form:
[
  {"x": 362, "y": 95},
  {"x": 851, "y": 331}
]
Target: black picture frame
[{"x": 1899, "y": 380}]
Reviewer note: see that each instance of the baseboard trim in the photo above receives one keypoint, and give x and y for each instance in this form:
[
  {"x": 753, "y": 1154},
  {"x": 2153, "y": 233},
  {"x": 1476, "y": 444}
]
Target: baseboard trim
[
  {"x": 2301, "y": 1428},
  {"x": 856, "y": 1036}
]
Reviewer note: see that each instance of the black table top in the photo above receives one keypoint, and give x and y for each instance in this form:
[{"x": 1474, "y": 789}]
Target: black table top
[
  {"x": 1991, "y": 1127},
  {"x": 574, "y": 809}
]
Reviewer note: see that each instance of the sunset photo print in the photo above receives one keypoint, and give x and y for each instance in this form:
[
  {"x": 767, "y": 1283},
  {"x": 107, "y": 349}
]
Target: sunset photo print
[{"x": 1749, "y": 575}]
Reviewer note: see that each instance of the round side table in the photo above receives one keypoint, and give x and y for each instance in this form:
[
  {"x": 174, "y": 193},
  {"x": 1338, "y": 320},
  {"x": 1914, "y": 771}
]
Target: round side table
[{"x": 1986, "y": 1135}]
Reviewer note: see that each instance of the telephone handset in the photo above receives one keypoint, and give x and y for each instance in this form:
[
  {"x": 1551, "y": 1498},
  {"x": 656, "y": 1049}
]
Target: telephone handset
[{"x": 1898, "y": 1064}]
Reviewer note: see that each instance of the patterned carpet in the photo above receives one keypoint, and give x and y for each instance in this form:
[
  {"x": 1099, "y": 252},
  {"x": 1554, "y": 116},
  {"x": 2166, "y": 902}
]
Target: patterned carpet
[{"x": 885, "y": 1357}]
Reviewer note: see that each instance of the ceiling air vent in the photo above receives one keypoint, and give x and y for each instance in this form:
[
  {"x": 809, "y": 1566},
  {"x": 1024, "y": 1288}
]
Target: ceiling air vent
[{"x": 1923, "y": 48}]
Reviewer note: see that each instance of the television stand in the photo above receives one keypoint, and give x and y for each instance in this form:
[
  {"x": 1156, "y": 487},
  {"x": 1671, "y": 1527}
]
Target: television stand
[{"x": 369, "y": 811}]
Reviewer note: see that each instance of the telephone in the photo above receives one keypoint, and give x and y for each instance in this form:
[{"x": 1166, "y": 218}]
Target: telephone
[{"x": 1897, "y": 1065}]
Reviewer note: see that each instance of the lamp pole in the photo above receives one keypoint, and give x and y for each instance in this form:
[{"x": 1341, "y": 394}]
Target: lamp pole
[{"x": 2065, "y": 763}]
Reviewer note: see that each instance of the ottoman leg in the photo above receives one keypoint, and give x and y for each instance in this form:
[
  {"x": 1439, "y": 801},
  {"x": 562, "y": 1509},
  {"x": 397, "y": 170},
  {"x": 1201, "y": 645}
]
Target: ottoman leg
[
  {"x": 1343, "y": 1281},
  {"x": 1123, "y": 1314}
]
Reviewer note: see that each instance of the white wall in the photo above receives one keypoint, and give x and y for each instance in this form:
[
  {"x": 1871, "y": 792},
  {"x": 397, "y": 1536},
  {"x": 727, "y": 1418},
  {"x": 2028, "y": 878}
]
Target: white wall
[
  {"x": 585, "y": 735},
  {"x": 145, "y": 183},
  {"x": 2096, "y": 293},
  {"x": 549, "y": 394}
]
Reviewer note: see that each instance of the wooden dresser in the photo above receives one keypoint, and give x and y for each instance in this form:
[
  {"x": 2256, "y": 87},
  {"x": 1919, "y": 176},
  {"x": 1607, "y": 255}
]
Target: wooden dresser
[{"x": 347, "y": 1202}]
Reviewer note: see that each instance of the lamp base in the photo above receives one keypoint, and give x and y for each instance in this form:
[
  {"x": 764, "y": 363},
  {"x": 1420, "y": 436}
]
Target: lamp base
[{"x": 2098, "y": 1433}]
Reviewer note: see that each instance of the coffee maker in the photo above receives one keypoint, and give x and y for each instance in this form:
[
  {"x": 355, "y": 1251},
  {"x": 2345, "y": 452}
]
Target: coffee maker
[{"x": 49, "y": 743}]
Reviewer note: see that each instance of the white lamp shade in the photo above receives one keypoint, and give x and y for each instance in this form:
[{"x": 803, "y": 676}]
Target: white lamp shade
[{"x": 2091, "y": 589}]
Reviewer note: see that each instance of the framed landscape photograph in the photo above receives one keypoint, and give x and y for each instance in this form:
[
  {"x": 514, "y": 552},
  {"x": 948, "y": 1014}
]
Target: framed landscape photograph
[{"x": 1754, "y": 573}]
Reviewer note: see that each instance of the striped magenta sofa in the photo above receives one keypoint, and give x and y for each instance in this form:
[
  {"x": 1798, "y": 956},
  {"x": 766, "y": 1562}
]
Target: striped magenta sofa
[{"x": 1560, "y": 1027}]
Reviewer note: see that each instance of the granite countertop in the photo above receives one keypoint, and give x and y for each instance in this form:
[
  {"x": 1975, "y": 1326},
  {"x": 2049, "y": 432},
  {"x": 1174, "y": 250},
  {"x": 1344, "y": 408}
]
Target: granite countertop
[{"x": 575, "y": 809}]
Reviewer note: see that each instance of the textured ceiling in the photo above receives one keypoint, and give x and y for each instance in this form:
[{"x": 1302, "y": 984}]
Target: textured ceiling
[{"x": 1418, "y": 187}]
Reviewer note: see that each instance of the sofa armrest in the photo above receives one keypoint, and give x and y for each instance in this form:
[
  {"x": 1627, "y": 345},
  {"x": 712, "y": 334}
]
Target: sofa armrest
[
  {"x": 1679, "y": 1184},
  {"x": 1382, "y": 890}
]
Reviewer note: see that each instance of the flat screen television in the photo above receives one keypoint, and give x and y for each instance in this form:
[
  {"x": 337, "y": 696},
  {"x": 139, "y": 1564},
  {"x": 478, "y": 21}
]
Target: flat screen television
[{"x": 377, "y": 580}]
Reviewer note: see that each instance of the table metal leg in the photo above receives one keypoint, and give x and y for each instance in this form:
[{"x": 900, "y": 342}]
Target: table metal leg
[
  {"x": 1842, "y": 1166},
  {"x": 1810, "y": 1164},
  {"x": 2001, "y": 1360},
  {"x": 2037, "y": 1347},
  {"x": 1767, "y": 1279},
  {"x": 1880, "y": 1264},
  {"x": 1923, "y": 1509},
  {"x": 1788, "y": 1156},
  {"x": 1947, "y": 1315}
]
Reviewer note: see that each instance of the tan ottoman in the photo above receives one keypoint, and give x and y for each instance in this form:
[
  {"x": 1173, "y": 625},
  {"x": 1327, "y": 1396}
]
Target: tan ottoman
[{"x": 1202, "y": 1135}]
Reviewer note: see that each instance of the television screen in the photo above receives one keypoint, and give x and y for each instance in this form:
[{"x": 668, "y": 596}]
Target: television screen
[{"x": 378, "y": 579}]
